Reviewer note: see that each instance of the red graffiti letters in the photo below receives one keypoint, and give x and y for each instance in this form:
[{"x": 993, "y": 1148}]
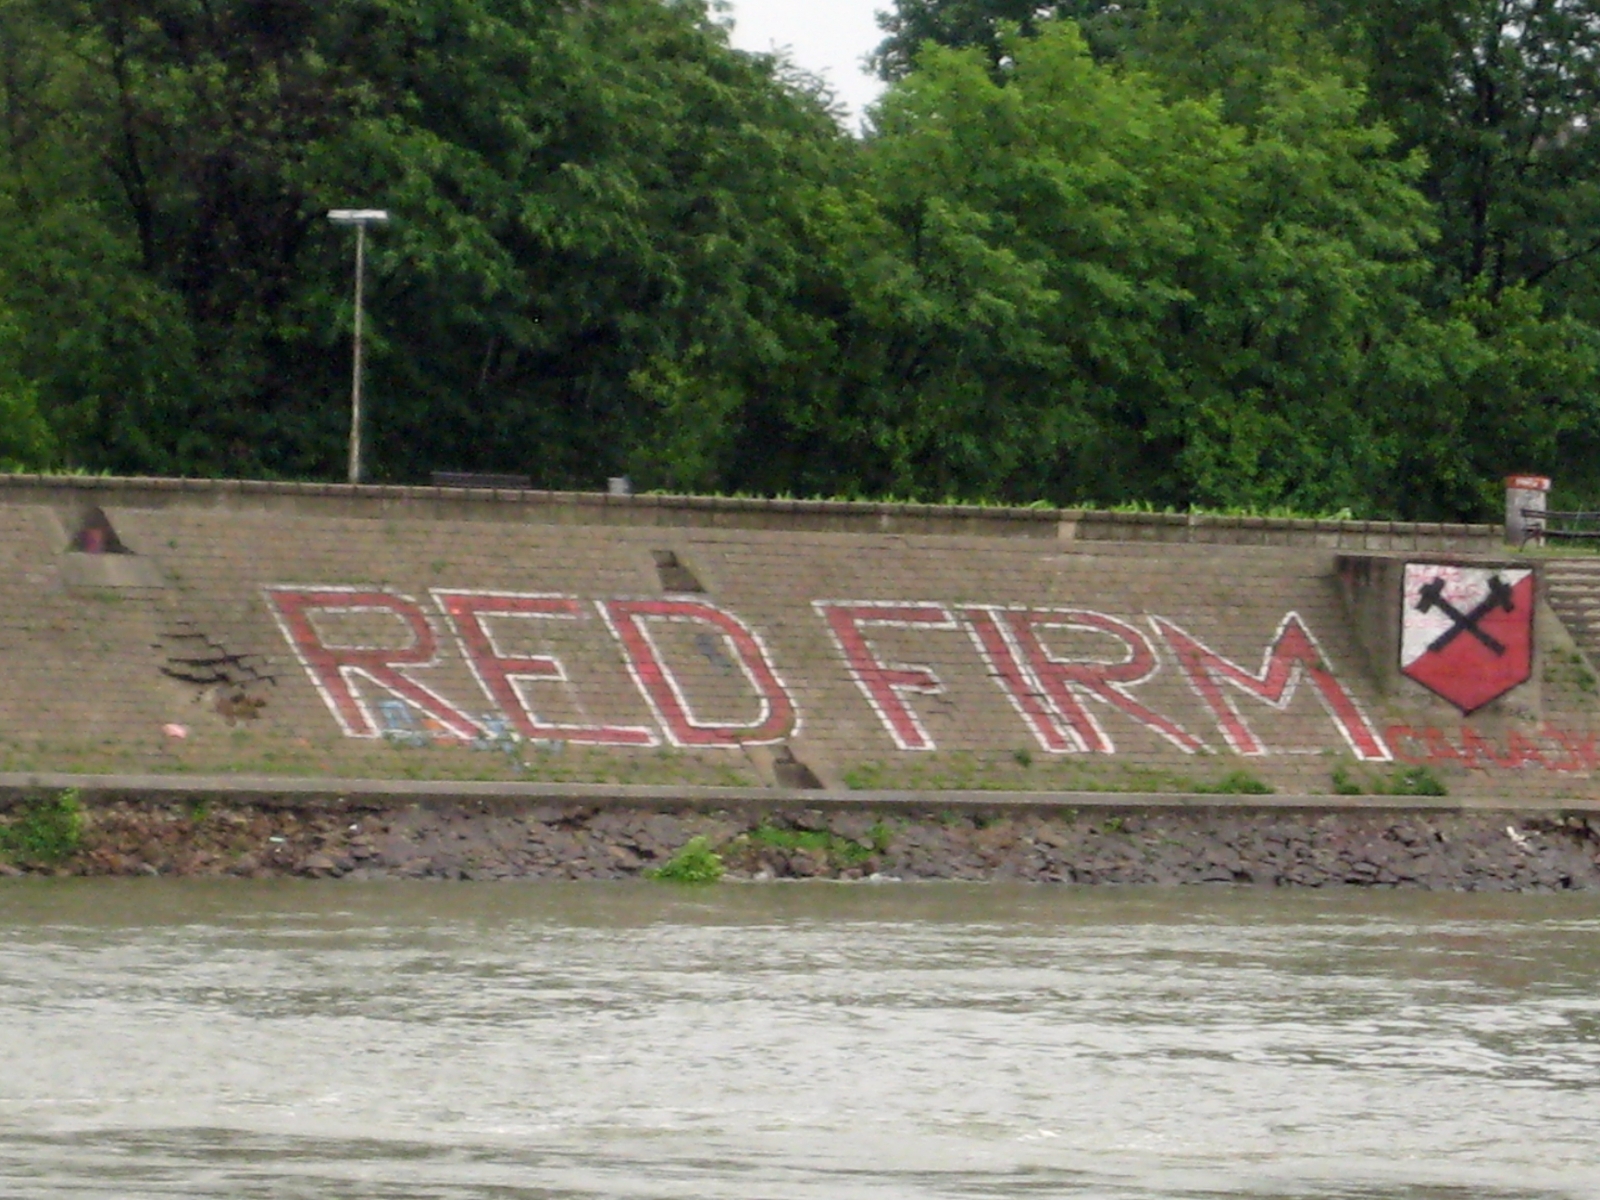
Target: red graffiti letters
[
  {"x": 506, "y": 678},
  {"x": 885, "y": 685},
  {"x": 337, "y": 670},
  {"x": 710, "y": 682},
  {"x": 1294, "y": 652},
  {"x": 1580, "y": 750},
  {"x": 1048, "y": 691},
  {"x": 776, "y": 717},
  {"x": 1563, "y": 750}
]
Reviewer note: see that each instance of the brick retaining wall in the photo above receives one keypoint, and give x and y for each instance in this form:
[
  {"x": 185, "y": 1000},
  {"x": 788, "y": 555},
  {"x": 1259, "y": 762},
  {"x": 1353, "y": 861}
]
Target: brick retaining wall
[{"x": 437, "y": 633}]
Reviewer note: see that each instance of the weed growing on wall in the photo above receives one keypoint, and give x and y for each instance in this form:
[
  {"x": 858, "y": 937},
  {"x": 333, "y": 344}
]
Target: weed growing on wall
[
  {"x": 1235, "y": 783},
  {"x": 1345, "y": 784},
  {"x": 1017, "y": 770},
  {"x": 45, "y": 830},
  {"x": 840, "y": 851},
  {"x": 867, "y": 777},
  {"x": 1403, "y": 781},
  {"x": 695, "y": 862},
  {"x": 1415, "y": 781},
  {"x": 1270, "y": 511},
  {"x": 1568, "y": 668}
]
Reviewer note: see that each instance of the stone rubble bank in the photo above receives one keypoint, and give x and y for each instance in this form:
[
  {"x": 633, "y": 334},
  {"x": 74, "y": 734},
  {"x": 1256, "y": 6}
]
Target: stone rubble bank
[{"x": 1443, "y": 850}]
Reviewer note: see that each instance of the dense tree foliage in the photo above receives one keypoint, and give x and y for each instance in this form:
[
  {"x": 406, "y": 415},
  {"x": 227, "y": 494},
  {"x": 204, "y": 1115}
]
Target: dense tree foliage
[
  {"x": 1220, "y": 252},
  {"x": 595, "y": 206},
  {"x": 1497, "y": 354}
]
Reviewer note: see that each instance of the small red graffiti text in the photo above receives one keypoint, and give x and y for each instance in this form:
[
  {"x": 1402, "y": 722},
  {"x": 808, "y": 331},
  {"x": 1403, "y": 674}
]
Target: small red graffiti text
[{"x": 1551, "y": 749}]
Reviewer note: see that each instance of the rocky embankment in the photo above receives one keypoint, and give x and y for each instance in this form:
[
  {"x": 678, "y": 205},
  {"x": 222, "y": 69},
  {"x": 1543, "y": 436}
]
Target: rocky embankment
[{"x": 1437, "y": 850}]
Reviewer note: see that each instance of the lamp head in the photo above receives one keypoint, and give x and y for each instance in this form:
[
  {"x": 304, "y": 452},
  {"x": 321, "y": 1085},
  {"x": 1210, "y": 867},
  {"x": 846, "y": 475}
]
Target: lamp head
[{"x": 358, "y": 216}]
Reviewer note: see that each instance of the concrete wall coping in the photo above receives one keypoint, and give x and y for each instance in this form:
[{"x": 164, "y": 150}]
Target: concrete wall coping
[
  {"x": 356, "y": 794},
  {"x": 847, "y": 516}
]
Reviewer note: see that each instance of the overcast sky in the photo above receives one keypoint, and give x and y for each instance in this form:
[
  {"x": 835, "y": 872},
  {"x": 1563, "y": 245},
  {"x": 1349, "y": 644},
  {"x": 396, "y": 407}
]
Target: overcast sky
[{"x": 830, "y": 37}]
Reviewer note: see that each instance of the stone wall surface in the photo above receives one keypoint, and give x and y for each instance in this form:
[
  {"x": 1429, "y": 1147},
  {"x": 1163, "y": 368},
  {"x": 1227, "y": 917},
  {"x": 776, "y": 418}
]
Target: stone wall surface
[
  {"x": 1273, "y": 847},
  {"x": 417, "y": 633}
]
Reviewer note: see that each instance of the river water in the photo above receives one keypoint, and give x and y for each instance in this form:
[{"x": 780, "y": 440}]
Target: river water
[{"x": 294, "y": 1039}]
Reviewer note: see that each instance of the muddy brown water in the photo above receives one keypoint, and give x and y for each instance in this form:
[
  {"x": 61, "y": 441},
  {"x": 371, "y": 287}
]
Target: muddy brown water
[{"x": 552, "y": 1041}]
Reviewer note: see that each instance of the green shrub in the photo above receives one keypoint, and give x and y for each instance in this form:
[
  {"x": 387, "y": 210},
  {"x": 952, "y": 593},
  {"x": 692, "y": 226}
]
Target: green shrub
[
  {"x": 1344, "y": 784},
  {"x": 696, "y": 862},
  {"x": 1415, "y": 781},
  {"x": 45, "y": 830},
  {"x": 866, "y": 777},
  {"x": 840, "y": 851},
  {"x": 1236, "y": 783}
]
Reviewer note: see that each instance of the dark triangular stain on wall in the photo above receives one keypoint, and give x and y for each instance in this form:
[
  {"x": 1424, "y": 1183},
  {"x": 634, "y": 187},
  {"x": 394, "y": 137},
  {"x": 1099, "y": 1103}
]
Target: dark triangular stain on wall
[
  {"x": 675, "y": 577},
  {"x": 96, "y": 536},
  {"x": 790, "y": 772}
]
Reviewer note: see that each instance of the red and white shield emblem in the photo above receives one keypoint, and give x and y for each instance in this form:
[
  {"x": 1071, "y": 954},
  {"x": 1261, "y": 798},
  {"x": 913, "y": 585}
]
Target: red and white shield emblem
[{"x": 1466, "y": 633}]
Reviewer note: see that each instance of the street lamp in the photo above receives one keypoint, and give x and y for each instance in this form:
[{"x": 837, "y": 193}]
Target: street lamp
[{"x": 360, "y": 218}]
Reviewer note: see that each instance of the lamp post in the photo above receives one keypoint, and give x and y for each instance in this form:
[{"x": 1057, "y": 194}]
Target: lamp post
[{"x": 360, "y": 218}]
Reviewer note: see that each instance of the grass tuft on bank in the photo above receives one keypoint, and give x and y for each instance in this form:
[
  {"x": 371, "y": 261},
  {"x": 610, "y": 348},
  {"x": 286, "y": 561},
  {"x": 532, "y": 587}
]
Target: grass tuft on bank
[
  {"x": 45, "y": 830},
  {"x": 1402, "y": 781},
  {"x": 695, "y": 863}
]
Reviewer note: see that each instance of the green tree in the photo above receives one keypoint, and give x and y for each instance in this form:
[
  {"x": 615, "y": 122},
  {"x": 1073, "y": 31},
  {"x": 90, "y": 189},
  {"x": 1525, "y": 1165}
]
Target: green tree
[
  {"x": 1484, "y": 360},
  {"x": 956, "y": 25},
  {"x": 1066, "y": 283},
  {"x": 26, "y": 443},
  {"x": 1500, "y": 95},
  {"x": 589, "y": 260}
]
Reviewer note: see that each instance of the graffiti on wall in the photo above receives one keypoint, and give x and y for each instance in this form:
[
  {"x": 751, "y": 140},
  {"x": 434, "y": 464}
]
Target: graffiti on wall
[
  {"x": 338, "y": 670},
  {"x": 1548, "y": 747},
  {"x": 888, "y": 686},
  {"x": 1057, "y": 696},
  {"x": 1060, "y": 699},
  {"x": 1466, "y": 633},
  {"x": 345, "y": 669},
  {"x": 507, "y": 678},
  {"x": 630, "y": 621},
  {"x": 375, "y": 678}
]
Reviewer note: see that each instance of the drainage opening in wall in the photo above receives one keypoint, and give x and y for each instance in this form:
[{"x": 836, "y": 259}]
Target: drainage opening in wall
[
  {"x": 96, "y": 536},
  {"x": 789, "y": 772},
  {"x": 675, "y": 576}
]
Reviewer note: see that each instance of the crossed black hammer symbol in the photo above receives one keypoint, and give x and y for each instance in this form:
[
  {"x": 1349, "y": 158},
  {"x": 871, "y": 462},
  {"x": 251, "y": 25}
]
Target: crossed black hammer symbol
[{"x": 1499, "y": 597}]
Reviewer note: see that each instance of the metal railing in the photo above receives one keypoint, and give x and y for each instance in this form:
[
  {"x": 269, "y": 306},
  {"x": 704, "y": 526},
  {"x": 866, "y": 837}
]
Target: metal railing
[
  {"x": 1560, "y": 526},
  {"x": 473, "y": 479}
]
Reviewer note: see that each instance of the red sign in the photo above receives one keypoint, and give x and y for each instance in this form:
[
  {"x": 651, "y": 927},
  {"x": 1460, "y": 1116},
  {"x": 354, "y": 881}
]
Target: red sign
[{"x": 1466, "y": 633}]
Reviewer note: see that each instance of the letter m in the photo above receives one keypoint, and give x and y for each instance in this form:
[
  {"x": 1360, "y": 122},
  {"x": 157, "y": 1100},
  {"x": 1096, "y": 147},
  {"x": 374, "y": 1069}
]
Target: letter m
[{"x": 1293, "y": 655}]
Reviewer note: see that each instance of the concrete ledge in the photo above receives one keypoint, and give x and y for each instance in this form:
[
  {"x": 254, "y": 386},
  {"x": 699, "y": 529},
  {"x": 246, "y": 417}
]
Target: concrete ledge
[
  {"x": 386, "y": 502},
  {"x": 329, "y": 793}
]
